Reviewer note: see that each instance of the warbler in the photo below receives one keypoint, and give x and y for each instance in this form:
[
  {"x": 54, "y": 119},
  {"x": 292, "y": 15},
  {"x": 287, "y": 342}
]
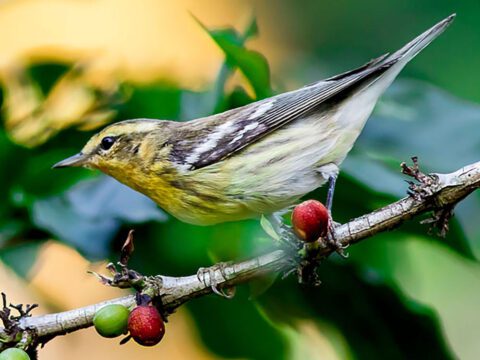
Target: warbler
[{"x": 252, "y": 160}]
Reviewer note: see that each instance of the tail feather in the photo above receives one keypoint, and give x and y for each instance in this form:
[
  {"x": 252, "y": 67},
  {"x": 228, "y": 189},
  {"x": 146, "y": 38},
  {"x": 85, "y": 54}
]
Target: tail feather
[
  {"x": 396, "y": 61},
  {"x": 389, "y": 67},
  {"x": 411, "y": 49},
  {"x": 372, "y": 81}
]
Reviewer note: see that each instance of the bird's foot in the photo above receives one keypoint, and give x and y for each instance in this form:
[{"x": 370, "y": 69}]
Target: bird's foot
[
  {"x": 310, "y": 257},
  {"x": 332, "y": 241},
  {"x": 208, "y": 276}
]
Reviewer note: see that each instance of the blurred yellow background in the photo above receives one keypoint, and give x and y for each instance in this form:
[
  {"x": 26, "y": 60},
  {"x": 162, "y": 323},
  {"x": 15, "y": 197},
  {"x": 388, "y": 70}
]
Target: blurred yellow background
[{"x": 140, "y": 41}]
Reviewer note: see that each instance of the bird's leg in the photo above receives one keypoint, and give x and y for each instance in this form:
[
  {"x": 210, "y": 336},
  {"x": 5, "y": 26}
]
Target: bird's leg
[
  {"x": 332, "y": 181},
  {"x": 331, "y": 239}
]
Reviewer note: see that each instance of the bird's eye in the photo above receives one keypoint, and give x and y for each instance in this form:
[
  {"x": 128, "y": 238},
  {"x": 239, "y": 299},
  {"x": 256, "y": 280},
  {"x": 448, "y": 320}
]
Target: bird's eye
[{"x": 107, "y": 142}]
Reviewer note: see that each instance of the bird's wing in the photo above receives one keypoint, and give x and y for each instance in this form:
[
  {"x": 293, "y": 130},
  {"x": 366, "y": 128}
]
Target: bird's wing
[{"x": 202, "y": 142}]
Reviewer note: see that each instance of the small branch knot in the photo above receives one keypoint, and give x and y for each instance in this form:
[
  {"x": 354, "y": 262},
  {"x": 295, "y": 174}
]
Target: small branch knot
[
  {"x": 426, "y": 184},
  {"x": 308, "y": 264},
  {"x": 14, "y": 335},
  {"x": 121, "y": 276},
  {"x": 440, "y": 220}
]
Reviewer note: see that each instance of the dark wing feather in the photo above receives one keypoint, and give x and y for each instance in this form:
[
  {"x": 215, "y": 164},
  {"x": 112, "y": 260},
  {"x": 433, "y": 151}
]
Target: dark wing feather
[
  {"x": 202, "y": 142},
  {"x": 199, "y": 143}
]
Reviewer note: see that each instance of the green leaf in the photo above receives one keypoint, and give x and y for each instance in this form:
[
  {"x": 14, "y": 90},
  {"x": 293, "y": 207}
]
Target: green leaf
[
  {"x": 427, "y": 273},
  {"x": 20, "y": 257},
  {"x": 376, "y": 321},
  {"x": 9, "y": 229},
  {"x": 252, "y": 29},
  {"x": 46, "y": 74},
  {"x": 415, "y": 118},
  {"x": 236, "y": 328},
  {"x": 252, "y": 64},
  {"x": 261, "y": 284},
  {"x": 268, "y": 228},
  {"x": 156, "y": 101},
  {"x": 37, "y": 178}
]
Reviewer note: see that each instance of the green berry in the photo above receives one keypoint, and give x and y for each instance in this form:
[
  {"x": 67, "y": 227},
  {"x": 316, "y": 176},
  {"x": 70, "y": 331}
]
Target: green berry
[
  {"x": 111, "y": 320},
  {"x": 14, "y": 354}
]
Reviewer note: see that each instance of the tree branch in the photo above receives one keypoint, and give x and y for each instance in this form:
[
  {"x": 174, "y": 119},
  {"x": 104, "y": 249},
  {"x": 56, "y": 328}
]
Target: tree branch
[{"x": 444, "y": 193}]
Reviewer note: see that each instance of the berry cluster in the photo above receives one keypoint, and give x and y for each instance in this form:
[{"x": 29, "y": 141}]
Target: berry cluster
[{"x": 144, "y": 323}]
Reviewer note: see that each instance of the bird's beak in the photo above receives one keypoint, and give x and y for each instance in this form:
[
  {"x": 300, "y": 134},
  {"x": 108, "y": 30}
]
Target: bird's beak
[{"x": 75, "y": 160}]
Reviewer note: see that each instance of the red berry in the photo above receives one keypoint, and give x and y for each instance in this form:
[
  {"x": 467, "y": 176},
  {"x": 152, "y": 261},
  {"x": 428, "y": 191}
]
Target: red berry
[
  {"x": 310, "y": 220},
  {"x": 146, "y": 325}
]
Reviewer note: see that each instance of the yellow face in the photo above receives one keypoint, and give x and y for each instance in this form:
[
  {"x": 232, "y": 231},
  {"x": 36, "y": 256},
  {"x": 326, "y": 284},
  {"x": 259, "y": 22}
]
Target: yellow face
[
  {"x": 121, "y": 148},
  {"x": 112, "y": 148},
  {"x": 136, "y": 153}
]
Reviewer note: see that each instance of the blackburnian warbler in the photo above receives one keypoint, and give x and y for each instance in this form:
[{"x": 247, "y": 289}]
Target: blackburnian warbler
[{"x": 256, "y": 159}]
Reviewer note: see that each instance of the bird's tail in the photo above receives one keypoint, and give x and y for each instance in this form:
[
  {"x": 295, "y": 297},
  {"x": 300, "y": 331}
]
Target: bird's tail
[
  {"x": 388, "y": 67},
  {"x": 406, "y": 53}
]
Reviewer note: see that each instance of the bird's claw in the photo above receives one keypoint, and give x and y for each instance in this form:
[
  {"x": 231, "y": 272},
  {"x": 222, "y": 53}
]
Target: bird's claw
[
  {"x": 332, "y": 241},
  {"x": 208, "y": 278}
]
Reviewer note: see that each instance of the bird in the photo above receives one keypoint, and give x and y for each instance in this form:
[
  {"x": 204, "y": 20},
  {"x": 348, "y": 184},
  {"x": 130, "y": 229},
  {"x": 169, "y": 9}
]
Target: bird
[{"x": 253, "y": 160}]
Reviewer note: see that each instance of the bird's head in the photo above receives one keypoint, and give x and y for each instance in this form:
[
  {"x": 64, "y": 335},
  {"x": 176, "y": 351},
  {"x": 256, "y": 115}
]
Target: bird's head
[{"x": 120, "y": 147}]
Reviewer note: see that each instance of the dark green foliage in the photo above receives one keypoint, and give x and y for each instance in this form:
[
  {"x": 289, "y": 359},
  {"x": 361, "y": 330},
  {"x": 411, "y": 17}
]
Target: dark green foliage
[
  {"x": 237, "y": 329},
  {"x": 46, "y": 74},
  {"x": 252, "y": 64},
  {"x": 89, "y": 215},
  {"x": 377, "y": 320}
]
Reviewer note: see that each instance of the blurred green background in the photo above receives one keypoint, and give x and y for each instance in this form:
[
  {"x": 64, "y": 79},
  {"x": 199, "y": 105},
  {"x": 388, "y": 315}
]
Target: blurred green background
[{"x": 76, "y": 66}]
